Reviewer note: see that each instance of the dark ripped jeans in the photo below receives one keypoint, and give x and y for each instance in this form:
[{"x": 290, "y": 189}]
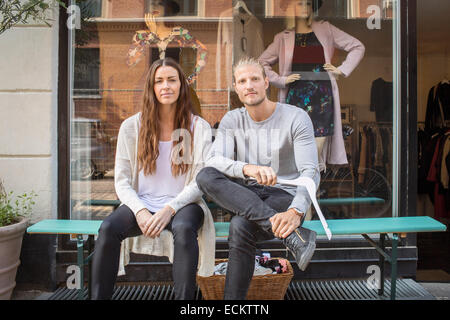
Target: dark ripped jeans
[
  {"x": 252, "y": 206},
  {"x": 122, "y": 224}
]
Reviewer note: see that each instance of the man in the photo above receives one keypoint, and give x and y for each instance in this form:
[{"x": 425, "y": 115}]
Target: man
[{"x": 253, "y": 146}]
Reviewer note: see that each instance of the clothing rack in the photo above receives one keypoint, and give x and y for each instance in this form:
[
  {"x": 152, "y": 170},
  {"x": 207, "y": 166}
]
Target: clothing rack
[{"x": 375, "y": 123}]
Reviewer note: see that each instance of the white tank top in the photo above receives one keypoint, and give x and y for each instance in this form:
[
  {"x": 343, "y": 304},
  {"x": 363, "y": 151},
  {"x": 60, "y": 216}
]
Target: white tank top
[
  {"x": 160, "y": 188},
  {"x": 157, "y": 189}
]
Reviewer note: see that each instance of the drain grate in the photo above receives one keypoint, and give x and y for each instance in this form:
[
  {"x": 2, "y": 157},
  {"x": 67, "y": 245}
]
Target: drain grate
[{"x": 407, "y": 289}]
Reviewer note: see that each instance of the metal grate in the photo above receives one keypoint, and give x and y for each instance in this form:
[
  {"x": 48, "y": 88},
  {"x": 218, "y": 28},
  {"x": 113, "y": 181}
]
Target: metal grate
[{"x": 407, "y": 289}]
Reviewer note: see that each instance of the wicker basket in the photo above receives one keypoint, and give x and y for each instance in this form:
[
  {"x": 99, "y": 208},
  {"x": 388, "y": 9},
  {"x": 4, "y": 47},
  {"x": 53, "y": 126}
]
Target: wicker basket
[{"x": 262, "y": 287}]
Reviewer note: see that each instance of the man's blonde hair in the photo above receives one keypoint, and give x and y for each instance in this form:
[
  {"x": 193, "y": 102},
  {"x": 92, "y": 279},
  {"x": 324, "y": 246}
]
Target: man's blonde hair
[{"x": 248, "y": 61}]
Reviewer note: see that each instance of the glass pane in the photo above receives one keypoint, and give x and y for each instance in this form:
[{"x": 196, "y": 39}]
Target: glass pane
[{"x": 352, "y": 105}]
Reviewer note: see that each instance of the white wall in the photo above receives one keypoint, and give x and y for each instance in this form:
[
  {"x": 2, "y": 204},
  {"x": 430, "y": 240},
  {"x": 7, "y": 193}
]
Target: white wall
[{"x": 28, "y": 113}]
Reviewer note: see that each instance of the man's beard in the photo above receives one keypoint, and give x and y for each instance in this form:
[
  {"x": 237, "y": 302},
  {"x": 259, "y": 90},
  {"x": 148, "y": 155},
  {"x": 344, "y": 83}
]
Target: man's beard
[{"x": 256, "y": 103}]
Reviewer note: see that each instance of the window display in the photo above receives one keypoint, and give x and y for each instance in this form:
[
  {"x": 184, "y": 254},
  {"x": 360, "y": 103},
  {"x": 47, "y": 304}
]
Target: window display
[
  {"x": 334, "y": 59},
  {"x": 307, "y": 77}
]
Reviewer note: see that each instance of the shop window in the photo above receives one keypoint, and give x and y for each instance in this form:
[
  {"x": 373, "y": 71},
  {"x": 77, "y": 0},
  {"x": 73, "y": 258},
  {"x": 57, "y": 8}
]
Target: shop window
[
  {"x": 90, "y": 8},
  {"x": 186, "y": 8},
  {"x": 355, "y": 139},
  {"x": 365, "y": 8},
  {"x": 86, "y": 72}
]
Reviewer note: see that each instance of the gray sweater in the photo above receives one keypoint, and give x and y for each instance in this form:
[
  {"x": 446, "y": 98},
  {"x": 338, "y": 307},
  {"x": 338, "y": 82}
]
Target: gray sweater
[{"x": 285, "y": 141}]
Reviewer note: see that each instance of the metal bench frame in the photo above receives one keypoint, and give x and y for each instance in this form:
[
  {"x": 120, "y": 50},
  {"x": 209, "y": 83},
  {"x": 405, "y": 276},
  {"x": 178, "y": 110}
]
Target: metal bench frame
[{"x": 380, "y": 248}]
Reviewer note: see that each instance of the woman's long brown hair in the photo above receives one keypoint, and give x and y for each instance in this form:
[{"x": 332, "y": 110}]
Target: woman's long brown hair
[{"x": 149, "y": 132}]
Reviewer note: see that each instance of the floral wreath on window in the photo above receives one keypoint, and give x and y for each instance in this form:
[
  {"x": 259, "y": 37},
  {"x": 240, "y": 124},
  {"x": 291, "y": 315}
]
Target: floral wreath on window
[{"x": 181, "y": 36}]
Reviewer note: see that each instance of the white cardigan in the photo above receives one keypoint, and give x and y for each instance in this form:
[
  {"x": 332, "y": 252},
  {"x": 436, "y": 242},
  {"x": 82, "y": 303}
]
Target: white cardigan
[{"x": 126, "y": 184}]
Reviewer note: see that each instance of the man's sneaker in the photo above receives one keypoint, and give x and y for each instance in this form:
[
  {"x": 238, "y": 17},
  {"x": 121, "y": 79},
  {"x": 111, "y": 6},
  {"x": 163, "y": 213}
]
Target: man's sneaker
[{"x": 302, "y": 243}]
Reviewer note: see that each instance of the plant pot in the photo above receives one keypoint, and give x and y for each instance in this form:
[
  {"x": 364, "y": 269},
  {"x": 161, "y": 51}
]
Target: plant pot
[{"x": 10, "y": 245}]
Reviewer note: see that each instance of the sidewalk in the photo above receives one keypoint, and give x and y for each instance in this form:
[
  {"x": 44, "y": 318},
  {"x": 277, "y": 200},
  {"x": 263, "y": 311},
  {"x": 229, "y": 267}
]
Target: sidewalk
[{"x": 441, "y": 291}]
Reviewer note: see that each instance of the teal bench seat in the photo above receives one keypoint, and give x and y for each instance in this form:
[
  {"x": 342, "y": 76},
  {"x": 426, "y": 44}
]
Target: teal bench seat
[
  {"x": 382, "y": 226},
  {"x": 79, "y": 228},
  {"x": 362, "y": 226},
  {"x": 82, "y": 227}
]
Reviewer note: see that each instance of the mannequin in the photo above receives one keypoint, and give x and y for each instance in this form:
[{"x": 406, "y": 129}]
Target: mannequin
[
  {"x": 163, "y": 37},
  {"x": 242, "y": 36},
  {"x": 307, "y": 78}
]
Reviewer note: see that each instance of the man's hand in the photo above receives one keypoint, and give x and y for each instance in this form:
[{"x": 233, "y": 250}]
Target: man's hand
[
  {"x": 284, "y": 223},
  {"x": 263, "y": 175}
]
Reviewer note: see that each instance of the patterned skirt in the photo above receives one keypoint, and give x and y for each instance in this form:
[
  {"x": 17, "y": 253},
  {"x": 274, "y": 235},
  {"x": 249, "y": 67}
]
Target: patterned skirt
[{"x": 316, "y": 98}]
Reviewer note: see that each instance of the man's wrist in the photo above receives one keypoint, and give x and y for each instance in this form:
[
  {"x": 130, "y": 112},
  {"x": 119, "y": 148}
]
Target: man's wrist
[
  {"x": 297, "y": 212},
  {"x": 245, "y": 168}
]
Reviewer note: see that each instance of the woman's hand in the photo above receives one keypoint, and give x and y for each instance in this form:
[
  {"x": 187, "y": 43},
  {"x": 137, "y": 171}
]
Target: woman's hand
[
  {"x": 143, "y": 217},
  {"x": 333, "y": 70},
  {"x": 154, "y": 224},
  {"x": 292, "y": 78}
]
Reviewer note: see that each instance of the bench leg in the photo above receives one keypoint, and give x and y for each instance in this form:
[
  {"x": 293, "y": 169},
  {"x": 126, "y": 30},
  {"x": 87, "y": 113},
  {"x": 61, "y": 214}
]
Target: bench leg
[
  {"x": 394, "y": 266},
  {"x": 90, "y": 246},
  {"x": 381, "y": 264},
  {"x": 80, "y": 262}
]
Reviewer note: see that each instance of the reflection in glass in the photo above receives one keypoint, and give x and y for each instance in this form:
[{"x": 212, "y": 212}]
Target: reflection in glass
[{"x": 122, "y": 40}]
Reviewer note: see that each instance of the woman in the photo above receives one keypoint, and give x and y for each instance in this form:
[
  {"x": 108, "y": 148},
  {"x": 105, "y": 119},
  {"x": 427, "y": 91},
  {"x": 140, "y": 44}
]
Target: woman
[
  {"x": 155, "y": 173},
  {"x": 307, "y": 78}
]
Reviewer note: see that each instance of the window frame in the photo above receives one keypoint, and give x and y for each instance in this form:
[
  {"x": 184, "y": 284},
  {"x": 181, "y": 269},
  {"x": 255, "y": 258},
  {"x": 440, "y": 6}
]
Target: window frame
[{"x": 407, "y": 143}]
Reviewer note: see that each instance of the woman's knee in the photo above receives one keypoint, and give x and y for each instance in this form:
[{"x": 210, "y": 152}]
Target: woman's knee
[
  {"x": 116, "y": 223},
  {"x": 106, "y": 229},
  {"x": 187, "y": 222}
]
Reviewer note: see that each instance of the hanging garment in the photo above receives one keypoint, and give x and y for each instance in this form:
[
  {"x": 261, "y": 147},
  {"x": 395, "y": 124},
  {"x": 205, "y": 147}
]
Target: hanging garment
[
  {"x": 427, "y": 163},
  {"x": 239, "y": 35},
  {"x": 438, "y": 108},
  {"x": 375, "y": 153},
  {"x": 438, "y": 196},
  {"x": 447, "y": 194},
  {"x": 363, "y": 155},
  {"x": 423, "y": 185},
  {"x": 381, "y": 100},
  {"x": 444, "y": 170}
]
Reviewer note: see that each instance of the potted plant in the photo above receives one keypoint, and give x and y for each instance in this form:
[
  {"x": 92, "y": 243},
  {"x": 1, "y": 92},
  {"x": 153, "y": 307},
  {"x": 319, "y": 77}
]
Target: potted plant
[{"x": 14, "y": 218}]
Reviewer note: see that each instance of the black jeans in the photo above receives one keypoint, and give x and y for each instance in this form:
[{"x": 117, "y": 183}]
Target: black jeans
[
  {"x": 252, "y": 206},
  {"x": 122, "y": 224}
]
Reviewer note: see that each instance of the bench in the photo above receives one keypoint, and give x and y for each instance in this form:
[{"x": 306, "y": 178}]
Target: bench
[
  {"x": 212, "y": 205},
  {"x": 79, "y": 228},
  {"x": 399, "y": 227}
]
